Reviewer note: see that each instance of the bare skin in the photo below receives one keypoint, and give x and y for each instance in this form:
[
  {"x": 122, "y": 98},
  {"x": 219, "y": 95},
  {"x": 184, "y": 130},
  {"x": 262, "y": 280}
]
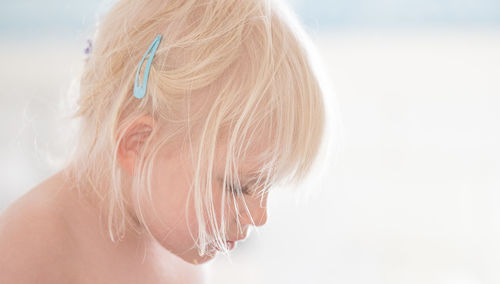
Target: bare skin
[{"x": 52, "y": 235}]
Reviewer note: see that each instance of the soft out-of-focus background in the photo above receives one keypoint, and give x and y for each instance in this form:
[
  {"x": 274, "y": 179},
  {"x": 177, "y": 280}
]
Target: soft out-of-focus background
[{"x": 413, "y": 196}]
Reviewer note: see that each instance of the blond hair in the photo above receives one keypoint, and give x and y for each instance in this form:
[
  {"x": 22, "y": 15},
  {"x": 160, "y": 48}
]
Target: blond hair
[{"x": 232, "y": 72}]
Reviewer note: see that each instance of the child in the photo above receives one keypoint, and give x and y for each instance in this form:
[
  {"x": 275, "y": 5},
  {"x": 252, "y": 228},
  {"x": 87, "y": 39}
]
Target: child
[{"x": 190, "y": 111}]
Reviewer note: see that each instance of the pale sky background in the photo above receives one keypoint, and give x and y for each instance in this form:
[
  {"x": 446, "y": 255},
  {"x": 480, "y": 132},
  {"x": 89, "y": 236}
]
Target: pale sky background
[{"x": 59, "y": 16}]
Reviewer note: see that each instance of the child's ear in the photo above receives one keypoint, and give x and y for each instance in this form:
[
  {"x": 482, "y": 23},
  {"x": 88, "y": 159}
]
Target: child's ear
[{"x": 132, "y": 141}]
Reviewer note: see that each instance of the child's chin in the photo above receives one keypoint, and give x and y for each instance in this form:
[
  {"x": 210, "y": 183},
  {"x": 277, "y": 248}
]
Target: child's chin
[
  {"x": 193, "y": 257},
  {"x": 197, "y": 259}
]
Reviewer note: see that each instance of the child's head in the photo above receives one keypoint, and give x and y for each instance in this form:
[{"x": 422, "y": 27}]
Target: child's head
[{"x": 232, "y": 104}]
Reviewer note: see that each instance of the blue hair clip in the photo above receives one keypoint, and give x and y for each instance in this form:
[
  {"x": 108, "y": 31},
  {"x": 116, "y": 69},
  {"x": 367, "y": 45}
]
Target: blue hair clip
[{"x": 140, "y": 90}]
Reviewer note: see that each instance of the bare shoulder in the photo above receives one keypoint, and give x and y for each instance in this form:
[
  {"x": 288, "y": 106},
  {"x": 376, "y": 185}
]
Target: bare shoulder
[{"x": 32, "y": 242}]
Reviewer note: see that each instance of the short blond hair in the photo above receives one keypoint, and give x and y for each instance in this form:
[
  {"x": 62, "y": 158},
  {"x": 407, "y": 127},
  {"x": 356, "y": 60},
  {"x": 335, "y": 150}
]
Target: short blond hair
[{"x": 244, "y": 67}]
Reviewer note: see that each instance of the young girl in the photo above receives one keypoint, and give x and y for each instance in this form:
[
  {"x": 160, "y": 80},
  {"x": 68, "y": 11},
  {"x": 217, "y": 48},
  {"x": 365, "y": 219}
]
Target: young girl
[{"x": 190, "y": 111}]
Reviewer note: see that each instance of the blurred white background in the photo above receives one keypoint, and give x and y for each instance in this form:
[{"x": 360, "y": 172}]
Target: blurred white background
[{"x": 414, "y": 194}]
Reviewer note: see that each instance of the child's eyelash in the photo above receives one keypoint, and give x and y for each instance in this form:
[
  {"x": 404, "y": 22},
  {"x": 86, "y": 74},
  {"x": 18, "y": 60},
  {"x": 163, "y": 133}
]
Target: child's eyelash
[{"x": 238, "y": 190}]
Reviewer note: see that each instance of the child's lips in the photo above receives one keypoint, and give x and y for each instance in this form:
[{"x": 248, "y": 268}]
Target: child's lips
[{"x": 231, "y": 244}]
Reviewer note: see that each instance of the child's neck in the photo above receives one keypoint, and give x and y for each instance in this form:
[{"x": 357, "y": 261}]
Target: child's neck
[{"x": 137, "y": 256}]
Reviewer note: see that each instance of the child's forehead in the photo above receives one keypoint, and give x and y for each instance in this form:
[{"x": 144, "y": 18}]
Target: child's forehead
[{"x": 250, "y": 160}]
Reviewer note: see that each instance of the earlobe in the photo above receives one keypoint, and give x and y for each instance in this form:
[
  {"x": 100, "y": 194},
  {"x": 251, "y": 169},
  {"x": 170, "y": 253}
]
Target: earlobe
[{"x": 132, "y": 140}]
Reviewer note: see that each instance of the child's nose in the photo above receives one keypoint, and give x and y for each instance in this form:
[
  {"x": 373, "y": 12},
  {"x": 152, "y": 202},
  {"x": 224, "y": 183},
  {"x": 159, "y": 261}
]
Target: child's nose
[
  {"x": 259, "y": 216},
  {"x": 258, "y": 213}
]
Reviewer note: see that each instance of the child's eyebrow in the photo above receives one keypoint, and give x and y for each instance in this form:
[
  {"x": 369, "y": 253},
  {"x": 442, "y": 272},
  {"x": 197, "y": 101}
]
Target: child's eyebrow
[
  {"x": 249, "y": 178},
  {"x": 253, "y": 180}
]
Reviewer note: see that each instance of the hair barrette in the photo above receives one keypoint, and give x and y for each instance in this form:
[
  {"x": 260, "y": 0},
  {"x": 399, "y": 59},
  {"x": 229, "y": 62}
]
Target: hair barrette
[
  {"x": 88, "y": 49},
  {"x": 140, "y": 89}
]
